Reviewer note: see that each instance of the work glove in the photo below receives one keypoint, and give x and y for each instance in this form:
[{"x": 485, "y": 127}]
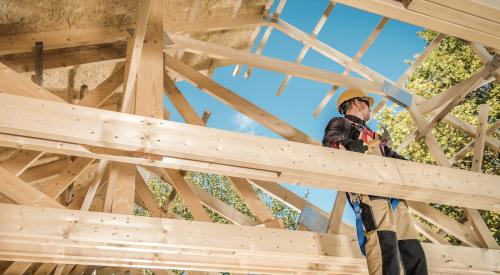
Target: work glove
[{"x": 355, "y": 145}]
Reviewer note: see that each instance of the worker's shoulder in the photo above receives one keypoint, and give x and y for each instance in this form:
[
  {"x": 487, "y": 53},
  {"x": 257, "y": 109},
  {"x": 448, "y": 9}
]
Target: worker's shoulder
[{"x": 338, "y": 120}]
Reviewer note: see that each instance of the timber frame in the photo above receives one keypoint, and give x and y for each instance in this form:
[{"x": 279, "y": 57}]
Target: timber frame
[{"x": 49, "y": 226}]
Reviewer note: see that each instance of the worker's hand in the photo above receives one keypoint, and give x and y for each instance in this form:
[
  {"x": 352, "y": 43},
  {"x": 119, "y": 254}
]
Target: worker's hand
[{"x": 355, "y": 146}]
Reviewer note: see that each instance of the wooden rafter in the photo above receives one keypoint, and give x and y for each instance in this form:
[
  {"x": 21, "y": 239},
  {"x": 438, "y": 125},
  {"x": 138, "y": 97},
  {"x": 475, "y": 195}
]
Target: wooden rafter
[
  {"x": 378, "y": 28},
  {"x": 319, "y": 25},
  {"x": 267, "y": 34},
  {"x": 396, "y": 10}
]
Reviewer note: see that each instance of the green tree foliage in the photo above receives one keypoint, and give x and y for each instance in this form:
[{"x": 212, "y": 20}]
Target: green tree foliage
[{"x": 446, "y": 66}]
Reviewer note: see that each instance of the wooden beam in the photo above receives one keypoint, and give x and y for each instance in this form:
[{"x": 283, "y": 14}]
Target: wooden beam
[
  {"x": 457, "y": 92},
  {"x": 373, "y": 35},
  {"x": 295, "y": 162},
  {"x": 143, "y": 191},
  {"x": 485, "y": 8},
  {"x": 19, "y": 43},
  {"x": 240, "y": 104},
  {"x": 482, "y": 124},
  {"x": 67, "y": 60},
  {"x": 254, "y": 35},
  {"x": 175, "y": 178},
  {"x": 14, "y": 83},
  {"x": 56, "y": 186},
  {"x": 448, "y": 12},
  {"x": 121, "y": 186},
  {"x": 365, "y": 71},
  {"x": 471, "y": 144},
  {"x": 253, "y": 202},
  {"x": 419, "y": 59},
  {"x": 402, "y": 79},
  {"x": 396, "y": 10},
  {"x": 223, "y": 247},
  {"x": 483, "y": 232},
  {"x": 319, "y": 25},
  {"x": 429, "y": 138},
  {"x": 94, "y": 185},
  {"x": 45, "y": 171},
  {"x": 236, "y": 7},
  {"x": 22, "y": 192},
  {"x": 20, "y": 161},
  {"x": 17, "y": 268},
  {"x": 218, "y": 23},
  {"x": 149, "y": 91},
  {"x": 210, "y": 201},
  {"x": 428, "y": 233},
  {"x": 336, "y": 214},
  {"x": 98, "y": 96},
  {"x": 450, "y": 225},
  {"x": 267, "y": 34},
  {"x": 268, "y": 63},
  {"x": 135, "y": 50},
  {"x": 180, "y": 102}
]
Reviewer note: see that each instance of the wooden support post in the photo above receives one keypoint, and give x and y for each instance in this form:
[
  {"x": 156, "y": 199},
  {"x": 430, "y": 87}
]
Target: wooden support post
[
  {"x": 38, "y": 77},
  {"x": 121, "y": 186},
  {"x": 336, "y": 214},
  {"x": 482, "y": 124},
  {"x": 483, "y": 232},
  {"x": 149, "y": 91},
  {"x": 135, "y": 55}
]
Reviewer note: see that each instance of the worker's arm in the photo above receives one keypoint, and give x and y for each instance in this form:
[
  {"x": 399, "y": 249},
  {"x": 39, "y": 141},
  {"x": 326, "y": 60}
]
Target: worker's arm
[
  {"x": 337, "y": 136},
  {"x": 392, "y": 154}
]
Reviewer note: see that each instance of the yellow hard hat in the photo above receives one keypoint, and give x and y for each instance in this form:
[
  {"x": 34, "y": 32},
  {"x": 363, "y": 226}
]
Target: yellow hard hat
[{"x": 353, "y": 93}]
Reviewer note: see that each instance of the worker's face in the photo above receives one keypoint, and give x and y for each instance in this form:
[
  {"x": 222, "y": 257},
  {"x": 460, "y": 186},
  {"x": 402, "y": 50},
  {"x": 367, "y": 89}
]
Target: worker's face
[{"x": 363, "y": 108}]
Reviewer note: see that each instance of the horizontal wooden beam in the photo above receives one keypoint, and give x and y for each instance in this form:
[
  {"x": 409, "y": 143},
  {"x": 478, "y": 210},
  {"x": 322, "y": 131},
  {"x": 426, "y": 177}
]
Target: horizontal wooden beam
[
  {"x": 396, "y": 10},
  {"x": 19, "y": 43},
  {"x": 67, "y": 60},
  {"x": 293, "y": 162},
  {"x": 82, "y": 237},
  {"x": 273, "y": 64},
  {"x": 213, "y": 24}
]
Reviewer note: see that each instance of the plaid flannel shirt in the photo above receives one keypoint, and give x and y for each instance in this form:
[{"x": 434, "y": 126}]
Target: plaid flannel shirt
[{"x": 342, "y": 129}]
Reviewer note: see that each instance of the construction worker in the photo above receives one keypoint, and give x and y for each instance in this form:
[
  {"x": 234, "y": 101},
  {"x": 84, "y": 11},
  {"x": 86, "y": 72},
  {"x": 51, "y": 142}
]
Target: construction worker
[{"x": 385, "y": 232}]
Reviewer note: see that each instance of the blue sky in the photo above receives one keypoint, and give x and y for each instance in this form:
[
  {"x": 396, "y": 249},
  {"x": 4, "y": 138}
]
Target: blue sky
[{"x": 346, "y": 29}]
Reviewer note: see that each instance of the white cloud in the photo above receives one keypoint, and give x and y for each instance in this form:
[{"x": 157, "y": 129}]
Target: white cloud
[{"x": 244, "y": 123}]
